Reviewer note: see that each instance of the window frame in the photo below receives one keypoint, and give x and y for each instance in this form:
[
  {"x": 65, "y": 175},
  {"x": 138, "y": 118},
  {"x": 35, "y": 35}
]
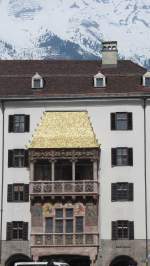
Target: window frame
[
  {"x": 122, "y": 229},
  {"x": 119, "y": 195},
  {"x": 126, "y": 230},
  {"x": 18, "y": 227},
  {"x": 44, "y": 168},
  {"x": 147, "y": 84},
  {"x": 145, "y": 76},
  {"x": 114, "y": 121},
  {"x": 125, "y": 159},
  {"x": 11, "y": 193},
  {"x": 20, "y": 193},
  {"x": 122, "y": 156},
  {"x": 18, "y": 158},
  {"x": 37, "y": 83},
  {"x": 22, "y": 158},
  {"x": 102, "y": 77},
  {"x": 64, "y": 220},
  {"x": 37, "y": 77},
  {"x": 23, "y": 126},
  {"x": 122, "y": 120},
  {"x": 99, "y": 82}
]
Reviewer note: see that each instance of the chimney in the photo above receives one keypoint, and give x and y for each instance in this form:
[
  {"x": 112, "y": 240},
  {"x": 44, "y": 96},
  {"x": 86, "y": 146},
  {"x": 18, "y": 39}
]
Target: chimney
[{"x": 109, "y": 54}]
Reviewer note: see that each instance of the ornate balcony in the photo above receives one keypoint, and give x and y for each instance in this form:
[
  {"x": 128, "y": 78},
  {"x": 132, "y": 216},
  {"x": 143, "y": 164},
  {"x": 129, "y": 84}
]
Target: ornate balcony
[
  {"x": 41, "y": 240},
  {"x": 46, "y": 188}
]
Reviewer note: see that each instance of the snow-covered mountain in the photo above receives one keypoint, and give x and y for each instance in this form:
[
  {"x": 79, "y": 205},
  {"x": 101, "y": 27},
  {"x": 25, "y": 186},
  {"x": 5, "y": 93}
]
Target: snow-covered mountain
[{"x": 74, "y": 28}]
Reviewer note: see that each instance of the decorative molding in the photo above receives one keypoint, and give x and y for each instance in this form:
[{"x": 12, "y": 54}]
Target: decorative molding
[{"x": 73, "y": 154}]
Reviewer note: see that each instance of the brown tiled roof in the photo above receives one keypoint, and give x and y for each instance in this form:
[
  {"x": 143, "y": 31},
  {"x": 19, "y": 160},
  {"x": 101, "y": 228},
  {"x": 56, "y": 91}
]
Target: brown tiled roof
[{"x": 66, "y": 78}]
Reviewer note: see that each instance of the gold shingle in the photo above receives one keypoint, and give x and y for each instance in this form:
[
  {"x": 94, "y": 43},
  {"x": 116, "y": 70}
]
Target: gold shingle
[{"x": 64, "y": 130}]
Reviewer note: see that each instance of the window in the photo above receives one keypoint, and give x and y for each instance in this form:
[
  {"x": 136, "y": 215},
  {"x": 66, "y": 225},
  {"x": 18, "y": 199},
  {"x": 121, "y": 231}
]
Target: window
[
  {"x": 122, "y": 156},
  {"x": 122, "y": 191},
  {"x": 69, "y": 220},
  {"x": 63, "y": 222},
  {"x": 63, "y": 170},
  {"x": 121, "y": 121},
  {"x": 19, "y": 123},
  {"x": 99, "y": 80},
  {"x": 17, "y": 230},
  {"x": 17, "y": 158},
  {"x": 79, "y": 224},
  {"x": 42, "y": 170},
  {"x": 18, "y": 193},
  {"x": 122, "y": 230},
  {"x": 49, "y": 225},
  {"x": 147, "y": 81},
  {"x": 59, "y": 221},
  {"x": 37, "y": 81},
  {"x": 84, "y": 170}
]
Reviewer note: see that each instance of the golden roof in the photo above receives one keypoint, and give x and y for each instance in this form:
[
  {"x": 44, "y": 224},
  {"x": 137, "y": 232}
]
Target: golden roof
[{"x": 64, "y": 130}]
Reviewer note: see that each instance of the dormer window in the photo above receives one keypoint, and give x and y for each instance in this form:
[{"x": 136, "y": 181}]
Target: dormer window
[
  {"x": 37, "y": 81},
  {"x": 99, "y": 80},
  {"x": 147, "y": 82},
  {"x": 146, "y": 79}
]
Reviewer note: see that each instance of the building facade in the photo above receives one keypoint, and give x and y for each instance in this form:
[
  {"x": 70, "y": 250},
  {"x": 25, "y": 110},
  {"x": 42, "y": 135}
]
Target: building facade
[{"x": 74, "y": 151}]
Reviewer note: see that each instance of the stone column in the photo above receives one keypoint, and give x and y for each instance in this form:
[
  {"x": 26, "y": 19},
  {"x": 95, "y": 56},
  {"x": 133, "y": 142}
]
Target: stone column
[
  {"x": 92, "y": 262},
  {"x": 53, "y": 170},
  {"x": 32, "y": 170},
  {"x": 73, "y": 170},
  {"x": 95, "y": 177}
]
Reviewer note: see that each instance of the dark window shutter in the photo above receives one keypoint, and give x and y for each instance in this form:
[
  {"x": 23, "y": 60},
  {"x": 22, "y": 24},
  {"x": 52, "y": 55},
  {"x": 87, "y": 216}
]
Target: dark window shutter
[
  {"x": 26, "y": 192},
  {"x": 27, "y": 123},
  {"x": 25, "y": 231},
  {"x": 130, "y": 156},
  {"x": 9, "y": 231},
  {"x": 130, "y": 195},
  {"x": 113, "y": 122},
  {"x": 10, "y": 158},
  {"x": 113, "y": 192},
  {"x": 131, "y": 230},
  {"x": 113, "y": 157},
  {"x": 129, "y": 121},
  {"x": 114, "y": 230},
  {"x": 26, "y": 158},
  {"x": 11, "y": 123},
  {"x": 10, "y": 193}
]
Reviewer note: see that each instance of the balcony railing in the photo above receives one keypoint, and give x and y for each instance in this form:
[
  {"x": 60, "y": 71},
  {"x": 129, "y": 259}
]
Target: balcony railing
[
  {"x": 64, "y": 240},
  {"x": 63, "y": 187}
]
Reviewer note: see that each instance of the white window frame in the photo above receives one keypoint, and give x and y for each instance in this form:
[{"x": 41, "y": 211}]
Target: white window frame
[
  {"x": 37, "y": 77},
  {"x": 146, "y": 75},
  {"x": 99, "y": 76}
]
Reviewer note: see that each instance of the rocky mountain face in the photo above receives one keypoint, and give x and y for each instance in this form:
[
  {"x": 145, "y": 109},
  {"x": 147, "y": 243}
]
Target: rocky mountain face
[{"x": 74, "y": 29}]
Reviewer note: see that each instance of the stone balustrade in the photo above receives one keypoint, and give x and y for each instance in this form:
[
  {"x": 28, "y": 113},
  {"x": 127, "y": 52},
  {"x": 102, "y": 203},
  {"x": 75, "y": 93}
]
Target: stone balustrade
[
  {"x": 78, "y": 239},
  {"x": 64, "y": 187}
]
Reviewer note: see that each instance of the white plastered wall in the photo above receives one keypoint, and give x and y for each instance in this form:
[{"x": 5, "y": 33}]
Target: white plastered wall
[{"x": 99, "y": 113}]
